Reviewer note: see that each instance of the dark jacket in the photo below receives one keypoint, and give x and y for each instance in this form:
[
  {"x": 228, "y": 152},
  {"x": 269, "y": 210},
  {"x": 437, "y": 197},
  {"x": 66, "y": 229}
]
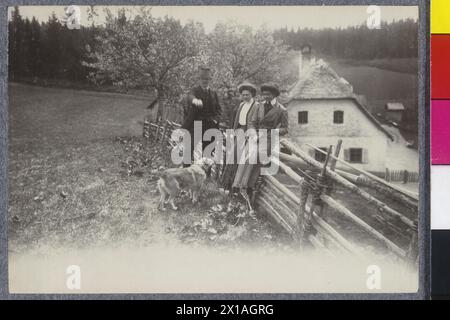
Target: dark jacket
[
  {"x": 277, "y": 117},
  {"x": 210, "y": 112}
]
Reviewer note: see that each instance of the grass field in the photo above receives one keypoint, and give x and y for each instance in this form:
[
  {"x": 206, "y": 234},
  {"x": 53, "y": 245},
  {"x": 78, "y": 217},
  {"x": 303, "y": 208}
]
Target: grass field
[
  {"x": 80, "y": 176},
  {"x": 380, "y": 86},
  {"x": 402, "y": 65},
  {"x": 62, "y": 157}
]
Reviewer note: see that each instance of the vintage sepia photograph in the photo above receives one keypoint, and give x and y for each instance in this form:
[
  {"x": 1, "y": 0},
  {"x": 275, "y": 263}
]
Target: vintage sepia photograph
[{"x": 213, "y": 149}]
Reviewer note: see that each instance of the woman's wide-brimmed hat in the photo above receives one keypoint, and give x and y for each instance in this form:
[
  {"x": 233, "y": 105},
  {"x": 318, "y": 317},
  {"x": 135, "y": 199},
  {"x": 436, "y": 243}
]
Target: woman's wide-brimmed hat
[
  {"x": 271, "y": 87},
  {"x": 247, "y": 86},
  {"x": 205, "y": 73}
]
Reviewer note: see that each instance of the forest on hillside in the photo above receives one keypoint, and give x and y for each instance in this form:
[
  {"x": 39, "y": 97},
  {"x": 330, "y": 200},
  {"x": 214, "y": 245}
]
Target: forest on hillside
[
  {"x": 397, "y": 39},
  {"x": 49, "y": 50}
]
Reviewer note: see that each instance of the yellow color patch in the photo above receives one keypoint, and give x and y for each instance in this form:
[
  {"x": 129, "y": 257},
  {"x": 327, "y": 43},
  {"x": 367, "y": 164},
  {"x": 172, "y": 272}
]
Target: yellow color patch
[{"x": 440, "y": 16}]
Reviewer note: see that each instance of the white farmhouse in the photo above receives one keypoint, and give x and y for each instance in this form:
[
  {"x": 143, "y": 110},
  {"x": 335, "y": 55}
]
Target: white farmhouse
[{"x": 322, "y": 109}]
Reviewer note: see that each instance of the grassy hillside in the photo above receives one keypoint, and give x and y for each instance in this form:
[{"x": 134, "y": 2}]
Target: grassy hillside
[
  {"x": 379, "y": 85},
  {"x": 81, "y": 175},
  {"x": 403, "y": 65}
]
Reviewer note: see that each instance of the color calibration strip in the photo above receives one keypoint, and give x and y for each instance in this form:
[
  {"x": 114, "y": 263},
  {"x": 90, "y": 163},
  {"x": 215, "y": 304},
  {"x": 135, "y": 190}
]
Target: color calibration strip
[
  {"x": 440, "y": 114},
  {"x": 440, "y": 147}
]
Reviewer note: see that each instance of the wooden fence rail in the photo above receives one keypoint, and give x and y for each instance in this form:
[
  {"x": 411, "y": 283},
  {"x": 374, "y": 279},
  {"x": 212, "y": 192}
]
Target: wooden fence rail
[
  {"x": 299, "y": 211},
  {"x": 404, "y": 176},
  {"x": 382, "y": 183},
  {"x": 347, "y": 184}
]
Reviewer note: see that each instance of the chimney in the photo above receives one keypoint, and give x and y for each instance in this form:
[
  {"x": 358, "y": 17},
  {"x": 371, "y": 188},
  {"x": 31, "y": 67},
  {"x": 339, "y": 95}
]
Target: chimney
[
  {"x": 300, "y": 64},
  {"x": 305, "y": 58}
]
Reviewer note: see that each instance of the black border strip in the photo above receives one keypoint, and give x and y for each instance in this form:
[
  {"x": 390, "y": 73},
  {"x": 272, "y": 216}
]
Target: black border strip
[{"x": 440, "y": 262}]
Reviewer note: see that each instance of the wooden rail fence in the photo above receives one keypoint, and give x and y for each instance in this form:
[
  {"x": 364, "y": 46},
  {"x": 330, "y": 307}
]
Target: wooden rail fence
[
  {"x": 300, "y": 210},
  {"x": 404, "y": 176}
]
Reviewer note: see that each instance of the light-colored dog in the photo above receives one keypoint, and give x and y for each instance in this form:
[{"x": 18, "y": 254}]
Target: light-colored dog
[{"x": 172, "y": 181}]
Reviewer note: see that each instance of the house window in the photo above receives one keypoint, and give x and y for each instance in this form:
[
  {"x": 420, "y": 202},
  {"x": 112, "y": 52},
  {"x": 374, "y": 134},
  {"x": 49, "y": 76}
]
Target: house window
[
  {"x": 356, "y": 155},
  {"x": 319, "y": 156},
  {"x": 303, "y": 117},
  {"x": 338, "y": 117}
]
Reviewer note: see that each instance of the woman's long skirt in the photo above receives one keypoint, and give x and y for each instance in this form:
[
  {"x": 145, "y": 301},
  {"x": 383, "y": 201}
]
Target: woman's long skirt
[
  {"x": 247, "y": 173},
  {"x": 229, "y": 171}
]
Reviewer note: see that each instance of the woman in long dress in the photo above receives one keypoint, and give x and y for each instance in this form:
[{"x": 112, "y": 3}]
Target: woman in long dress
[{"x": 239, "y": 121}]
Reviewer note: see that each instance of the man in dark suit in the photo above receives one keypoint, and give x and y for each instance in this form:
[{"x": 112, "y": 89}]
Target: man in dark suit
[{"x": 202, "y": 105}]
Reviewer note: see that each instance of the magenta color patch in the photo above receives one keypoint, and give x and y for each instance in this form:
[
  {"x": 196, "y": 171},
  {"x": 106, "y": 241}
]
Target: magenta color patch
[{"x": 440, "y": 132}]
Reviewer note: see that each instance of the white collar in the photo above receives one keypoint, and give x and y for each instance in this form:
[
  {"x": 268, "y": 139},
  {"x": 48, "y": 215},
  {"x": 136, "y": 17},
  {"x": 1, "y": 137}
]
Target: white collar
[
  {"x": 249, "y": 101},
  {"x": 274, "y": 101}
]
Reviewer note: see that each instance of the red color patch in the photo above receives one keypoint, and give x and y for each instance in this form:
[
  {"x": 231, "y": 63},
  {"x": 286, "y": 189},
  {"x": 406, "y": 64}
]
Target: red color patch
[{"x": 440, "y": 66}]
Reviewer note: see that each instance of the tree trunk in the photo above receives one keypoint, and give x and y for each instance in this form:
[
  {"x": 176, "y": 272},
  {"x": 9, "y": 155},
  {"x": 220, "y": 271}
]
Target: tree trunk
[{"x": 160, "y": 104}]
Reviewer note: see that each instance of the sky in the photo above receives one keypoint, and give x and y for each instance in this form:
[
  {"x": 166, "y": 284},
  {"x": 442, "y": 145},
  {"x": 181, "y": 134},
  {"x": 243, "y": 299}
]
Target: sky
[{"x": 273, "y": 17}]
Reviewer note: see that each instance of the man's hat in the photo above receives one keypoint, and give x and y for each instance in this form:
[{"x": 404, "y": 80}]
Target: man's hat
[
  {"x": 247, "y": 86},
  {"x": 271, "y": 87},
  {"x": 205, "y": 73}
]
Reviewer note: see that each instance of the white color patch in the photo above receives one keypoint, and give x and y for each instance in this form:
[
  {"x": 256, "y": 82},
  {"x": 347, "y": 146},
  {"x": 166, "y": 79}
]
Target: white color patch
[{"x": 440, "y": 197}]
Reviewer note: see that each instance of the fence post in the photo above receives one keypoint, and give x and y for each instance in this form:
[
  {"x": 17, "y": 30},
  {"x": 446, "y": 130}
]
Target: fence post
[
  {"x": 146, "y": 131},
  {"x": 219, "y": 166},
  {"x": 157, "y": 131},
  {"x": 405, "y": 176},
  {"x": 320, "y": 185},
  {"x": 259, "y": 182},
  {"x": 413, "y": 251},
  {"x": 336, "y": 154},
  {"x": 387, "y": 176},
  {"x": 303, "y": 216},
  {"x": 163, "y": 138}
]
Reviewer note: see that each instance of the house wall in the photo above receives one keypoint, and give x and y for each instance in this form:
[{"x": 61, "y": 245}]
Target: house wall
[{"x": 357, "y": 131}]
